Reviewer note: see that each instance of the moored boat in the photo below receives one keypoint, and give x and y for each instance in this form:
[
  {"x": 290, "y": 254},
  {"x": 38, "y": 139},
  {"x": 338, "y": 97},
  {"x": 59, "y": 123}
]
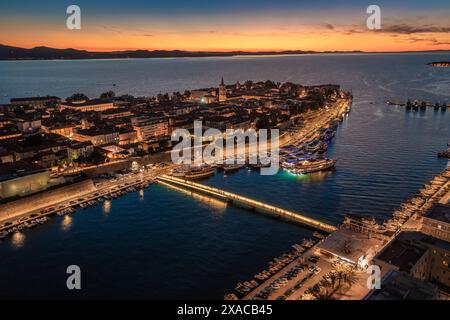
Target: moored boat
[
  {"x": 228, "y": 168},
  {"x": 310, "y": 166},
  {"x": 200, "y": 172}
]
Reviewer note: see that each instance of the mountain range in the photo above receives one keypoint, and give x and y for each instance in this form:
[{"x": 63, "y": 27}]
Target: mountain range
[{"x": 46, "y": 53}]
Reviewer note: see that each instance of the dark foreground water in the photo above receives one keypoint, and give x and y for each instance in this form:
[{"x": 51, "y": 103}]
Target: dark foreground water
[{"x": 167, "y": 244}]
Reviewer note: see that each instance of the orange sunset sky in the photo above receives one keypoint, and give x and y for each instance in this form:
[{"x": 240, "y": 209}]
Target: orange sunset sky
[{"x": 233, "y": 25}]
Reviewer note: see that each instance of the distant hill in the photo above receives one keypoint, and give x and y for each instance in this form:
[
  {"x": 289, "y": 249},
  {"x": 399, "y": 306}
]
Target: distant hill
[{"x": 46, "y": 53}]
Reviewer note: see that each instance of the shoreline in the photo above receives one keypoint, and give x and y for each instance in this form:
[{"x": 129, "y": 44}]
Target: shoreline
[{"x": 238, "y": 55}]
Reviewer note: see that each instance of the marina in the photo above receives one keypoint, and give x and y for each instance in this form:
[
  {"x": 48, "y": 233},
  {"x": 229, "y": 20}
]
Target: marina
[
  {"x": 306, "y": 273},
  {"x": 31, "y": 221},
  {"x": 417, "y": 105}
]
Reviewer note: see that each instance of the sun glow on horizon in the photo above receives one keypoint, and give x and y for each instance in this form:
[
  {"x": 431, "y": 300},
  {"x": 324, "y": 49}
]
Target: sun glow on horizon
[{"x": 310, "y": 29}]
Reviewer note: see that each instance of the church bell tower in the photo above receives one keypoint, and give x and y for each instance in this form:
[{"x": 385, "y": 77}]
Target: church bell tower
[{"x": 222, "y": 91}]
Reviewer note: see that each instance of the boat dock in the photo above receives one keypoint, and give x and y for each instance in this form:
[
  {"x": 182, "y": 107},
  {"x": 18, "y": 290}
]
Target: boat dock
[
  {"x": 83, "y": 201},
  {"x": 247, "y": 202},
  {"x": 416, "y": 104}
]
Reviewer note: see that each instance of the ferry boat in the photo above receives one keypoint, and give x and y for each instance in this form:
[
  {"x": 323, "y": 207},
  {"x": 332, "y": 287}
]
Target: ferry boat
[
  {"x": 310, "y": 166},
  {"x": 200, "y": 172}
]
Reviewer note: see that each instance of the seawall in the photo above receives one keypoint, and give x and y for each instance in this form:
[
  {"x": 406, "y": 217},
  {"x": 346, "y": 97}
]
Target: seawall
[{"x": 43, "y": 199}]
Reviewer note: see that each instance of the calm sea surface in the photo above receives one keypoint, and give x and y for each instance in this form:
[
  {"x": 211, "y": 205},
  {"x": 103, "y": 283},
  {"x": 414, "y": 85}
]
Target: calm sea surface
[{"x": 167, "y": 244}]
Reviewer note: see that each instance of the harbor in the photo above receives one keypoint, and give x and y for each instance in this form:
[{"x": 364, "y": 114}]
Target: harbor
[
  {"x": 417, "y": 105},
  {"x": 105, "y": 190},
  {"x": 320, "y": 130},
  {"x": 315, "y": 270},
  {"x": 383, "y": 156}
]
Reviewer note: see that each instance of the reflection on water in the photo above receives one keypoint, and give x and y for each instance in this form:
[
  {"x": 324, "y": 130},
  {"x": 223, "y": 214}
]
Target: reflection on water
[
  {"x": 314, "y": 177},
  {"x": 141, "y": 195},
  {"x": 107, "y": 207},
  {"x": 66, "y": 223},
  {"x": 18, "y": 239},
  {"x": 216, "y": 205}
]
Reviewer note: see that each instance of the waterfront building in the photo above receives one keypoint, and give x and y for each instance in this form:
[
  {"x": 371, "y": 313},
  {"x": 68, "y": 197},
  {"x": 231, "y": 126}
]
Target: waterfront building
[
  {"x": 22, "y": 178},
  {"x": 37, "y": 102},
  {"x": 436, "y": 222},
  {"x": 423, "y": 257},
  {"x": 88, "y": 105},
  {"x": 402, "y": 286}
]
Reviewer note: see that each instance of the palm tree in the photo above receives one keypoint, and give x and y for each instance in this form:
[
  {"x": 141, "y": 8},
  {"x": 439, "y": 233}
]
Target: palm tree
[
  {"x": 350, "y": 277},
  {"x": 308, "y": 296},
  {"x": 333, "y": 277},
  {"x": 324, "y": 294}
]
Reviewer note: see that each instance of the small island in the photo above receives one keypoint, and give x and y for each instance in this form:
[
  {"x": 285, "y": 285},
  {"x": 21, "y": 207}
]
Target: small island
[{"x": 440, "y": 64}]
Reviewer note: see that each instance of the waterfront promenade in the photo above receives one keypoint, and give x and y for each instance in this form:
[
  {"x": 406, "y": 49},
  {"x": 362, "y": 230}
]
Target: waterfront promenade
[{"x": 101, "y": 189}]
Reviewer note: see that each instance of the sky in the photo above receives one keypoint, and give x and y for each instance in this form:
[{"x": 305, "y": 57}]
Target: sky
[{"x": 211, "y": 25}]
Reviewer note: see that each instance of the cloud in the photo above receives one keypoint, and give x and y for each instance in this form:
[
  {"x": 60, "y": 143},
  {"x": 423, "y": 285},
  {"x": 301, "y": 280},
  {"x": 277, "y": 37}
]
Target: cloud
[
  {"x": 431, "y": 41},
  {"x": 408, "y": 29},
  {"x": 329, "y": 26}
]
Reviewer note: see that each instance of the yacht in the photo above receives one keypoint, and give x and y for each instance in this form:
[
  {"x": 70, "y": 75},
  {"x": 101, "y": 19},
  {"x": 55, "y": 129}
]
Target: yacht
[
  {"x": 180, "y": 172},
  {"x": 199, "y": 172},
  {"x": 309, "y": 166},
  {"x": 228, "y": 168}
]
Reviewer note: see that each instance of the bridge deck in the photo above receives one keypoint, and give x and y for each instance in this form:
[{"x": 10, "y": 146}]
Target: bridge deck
[{"x": 228, "y": 196}]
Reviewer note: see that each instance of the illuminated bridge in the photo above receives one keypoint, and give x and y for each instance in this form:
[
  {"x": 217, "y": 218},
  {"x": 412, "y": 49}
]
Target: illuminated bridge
[{"x": 246, "y": 202}]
